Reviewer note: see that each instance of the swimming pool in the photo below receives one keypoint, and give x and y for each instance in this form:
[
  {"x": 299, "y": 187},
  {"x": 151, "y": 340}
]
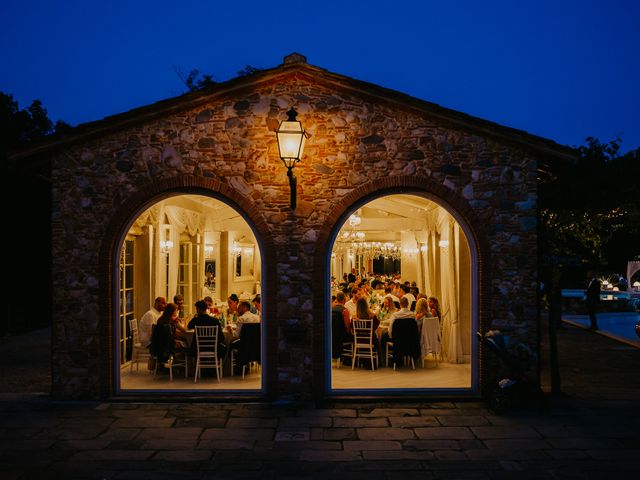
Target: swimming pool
[{"x": 620, "y": 326}]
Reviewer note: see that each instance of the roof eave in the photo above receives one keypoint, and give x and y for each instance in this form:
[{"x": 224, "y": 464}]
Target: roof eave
[{"x": 190, "y": 100}]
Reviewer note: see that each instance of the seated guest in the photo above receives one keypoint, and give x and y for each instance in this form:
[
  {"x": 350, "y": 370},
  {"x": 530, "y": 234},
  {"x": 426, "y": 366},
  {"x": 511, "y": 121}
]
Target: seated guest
[
  {"x": 406, "y": 292},
  {"x": 170, "y": 317},
  {"x": 203, "y": 319},
  {"x": 179, "y": 301},
  {"x": 149, "y": 319},
  {"x": 164, "y": 340},
  {"x": 422, "y": 310},
  {"x": 404, "y": 312},
  {"x": 244, "y": 310},
  {"x": 341, "y": 327},
  {"x": 351, "y": 304},
  {"x": 363, "y": 312},
  {"x": 388, "y": 290},
  {"x": 211, "y": 310},
  {"x": 232, "y": 303},
  {"x": 255, "y": 307},
  {"x": 388, "y": 307},
  {"x": 434, "y": 305}
]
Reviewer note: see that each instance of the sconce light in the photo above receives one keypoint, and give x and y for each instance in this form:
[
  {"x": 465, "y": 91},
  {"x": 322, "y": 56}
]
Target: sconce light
[
  {"x": 424, "y": 248},
  {"x": 291, "y": 138},
  {"x": 443, "y": 243},
  {"x": 166, "y": 246},
  {"x": 237, "y": 250},
  {"x": 208, "y": 250},
  {"x": 411, "y": 252}
]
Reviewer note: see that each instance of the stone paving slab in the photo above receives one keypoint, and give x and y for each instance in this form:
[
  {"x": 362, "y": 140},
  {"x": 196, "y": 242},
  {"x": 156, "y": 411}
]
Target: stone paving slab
[{"x": 586, "y": 433}]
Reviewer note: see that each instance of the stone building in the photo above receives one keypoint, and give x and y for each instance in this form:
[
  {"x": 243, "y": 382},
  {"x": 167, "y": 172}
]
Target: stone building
[{"x": 189, "y": 195}]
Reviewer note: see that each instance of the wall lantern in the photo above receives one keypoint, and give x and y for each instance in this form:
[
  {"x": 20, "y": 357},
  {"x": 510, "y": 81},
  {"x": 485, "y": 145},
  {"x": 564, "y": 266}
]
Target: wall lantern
[
  {"x": 291, "y": 137},
  {"x": 166, "y": 246},
  {"x": 443, "y": 243}
]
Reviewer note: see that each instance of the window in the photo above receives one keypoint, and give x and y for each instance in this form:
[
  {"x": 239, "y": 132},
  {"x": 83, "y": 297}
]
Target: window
[
  {"x": 188, "y": 276},
  {"x": 126, "y": 299}
]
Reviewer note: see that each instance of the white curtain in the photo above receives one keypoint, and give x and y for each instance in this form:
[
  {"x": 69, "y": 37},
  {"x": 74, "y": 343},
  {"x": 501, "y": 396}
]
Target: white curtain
[
  {"x": 451, "y": 331},
  {"x": 160, "y": 259}
]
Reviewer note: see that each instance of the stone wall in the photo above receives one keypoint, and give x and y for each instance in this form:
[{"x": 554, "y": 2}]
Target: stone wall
[{"x": 360, "y": 146}]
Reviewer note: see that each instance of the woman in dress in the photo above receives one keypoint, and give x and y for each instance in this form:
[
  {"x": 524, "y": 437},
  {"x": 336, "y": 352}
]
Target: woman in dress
[
  {"x": 422, "y": 310},
  {"x": 170, "y": 317}
]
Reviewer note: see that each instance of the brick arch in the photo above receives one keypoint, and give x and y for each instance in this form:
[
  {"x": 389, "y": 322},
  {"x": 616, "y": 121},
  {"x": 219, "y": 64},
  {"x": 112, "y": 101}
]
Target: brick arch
[
  {"x": 160, "y": 189},
  {"x": 476, "y": 235}
]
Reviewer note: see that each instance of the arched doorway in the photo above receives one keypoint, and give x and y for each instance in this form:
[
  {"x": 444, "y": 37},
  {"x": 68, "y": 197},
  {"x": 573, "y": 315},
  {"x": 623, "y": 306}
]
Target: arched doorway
[
  {"x": 406, "y": 244},
  {"x": 194, "y": 247}
]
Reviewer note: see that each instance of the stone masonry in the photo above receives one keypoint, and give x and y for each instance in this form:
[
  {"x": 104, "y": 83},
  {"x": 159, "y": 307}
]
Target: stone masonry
[{"x": 220, "y": 142}]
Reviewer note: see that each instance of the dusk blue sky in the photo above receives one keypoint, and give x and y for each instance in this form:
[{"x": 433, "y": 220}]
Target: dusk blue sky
[{"x": 560, "y": 69}]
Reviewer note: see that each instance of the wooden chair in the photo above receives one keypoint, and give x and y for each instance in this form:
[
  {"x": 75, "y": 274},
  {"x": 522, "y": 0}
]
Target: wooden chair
[
  {"x": 207, "y": 351},
  {"x": 363, "y": 346},
  {"x": 139, "y": 352}
]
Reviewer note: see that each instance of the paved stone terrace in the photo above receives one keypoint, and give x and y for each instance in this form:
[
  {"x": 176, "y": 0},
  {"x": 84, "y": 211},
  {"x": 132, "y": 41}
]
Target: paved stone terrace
[{"x": 592, "y": 431}]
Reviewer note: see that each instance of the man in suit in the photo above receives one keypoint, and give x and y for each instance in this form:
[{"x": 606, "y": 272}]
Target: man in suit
[{"x": 593, "y": 298}]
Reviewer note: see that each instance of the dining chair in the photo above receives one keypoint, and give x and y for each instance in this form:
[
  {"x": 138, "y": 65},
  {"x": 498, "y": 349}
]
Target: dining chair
[
  {"x": 406, "y": 341},
  {"x": 363, "y": 346},
  {"x": 206, "y": 339},
  {"x": 248, "y": 349},
  {"x": 139, "y": 352},
  {"x": 178, "y": 359}
]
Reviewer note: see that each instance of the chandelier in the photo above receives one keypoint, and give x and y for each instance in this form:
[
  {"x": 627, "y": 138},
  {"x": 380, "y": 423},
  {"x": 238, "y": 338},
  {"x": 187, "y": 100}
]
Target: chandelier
[
  {"x": 352, "y": 235},
  {"x": 369, "y": 250}
]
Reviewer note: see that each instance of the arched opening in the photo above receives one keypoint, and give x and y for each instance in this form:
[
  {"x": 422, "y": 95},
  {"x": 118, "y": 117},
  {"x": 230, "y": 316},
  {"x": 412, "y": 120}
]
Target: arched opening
[
  {"x": 395, "y": 246},
  {"x": 188, "y": 247}
]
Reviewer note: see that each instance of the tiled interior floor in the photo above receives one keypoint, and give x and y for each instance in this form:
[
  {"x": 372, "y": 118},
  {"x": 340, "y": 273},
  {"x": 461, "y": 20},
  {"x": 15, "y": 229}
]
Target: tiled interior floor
[
  {"x": 145, "y": 380},
  {"x": 444, "y": 375}
]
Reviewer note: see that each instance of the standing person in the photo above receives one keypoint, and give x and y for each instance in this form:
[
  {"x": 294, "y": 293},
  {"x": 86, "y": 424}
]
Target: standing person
[
  {"x": 150, "y": 318},
  {"x": 593, "y": 298},
  {"x": 351, "y": 278},
  {"x": 623, "y": 285}
]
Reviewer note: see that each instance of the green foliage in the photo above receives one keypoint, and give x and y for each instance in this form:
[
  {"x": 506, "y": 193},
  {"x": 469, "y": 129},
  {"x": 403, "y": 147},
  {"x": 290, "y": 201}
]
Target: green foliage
[
  {"x": 590, "y": 210},
  {"x": 20, "y": 127}
]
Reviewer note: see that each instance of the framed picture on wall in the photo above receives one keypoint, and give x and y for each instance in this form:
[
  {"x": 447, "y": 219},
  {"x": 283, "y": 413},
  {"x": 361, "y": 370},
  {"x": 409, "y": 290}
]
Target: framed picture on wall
[{"x": 210, "y": 273}]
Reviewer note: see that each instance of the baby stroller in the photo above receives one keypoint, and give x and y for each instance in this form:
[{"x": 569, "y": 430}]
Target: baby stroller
[{"x": 514, "y": 385}]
